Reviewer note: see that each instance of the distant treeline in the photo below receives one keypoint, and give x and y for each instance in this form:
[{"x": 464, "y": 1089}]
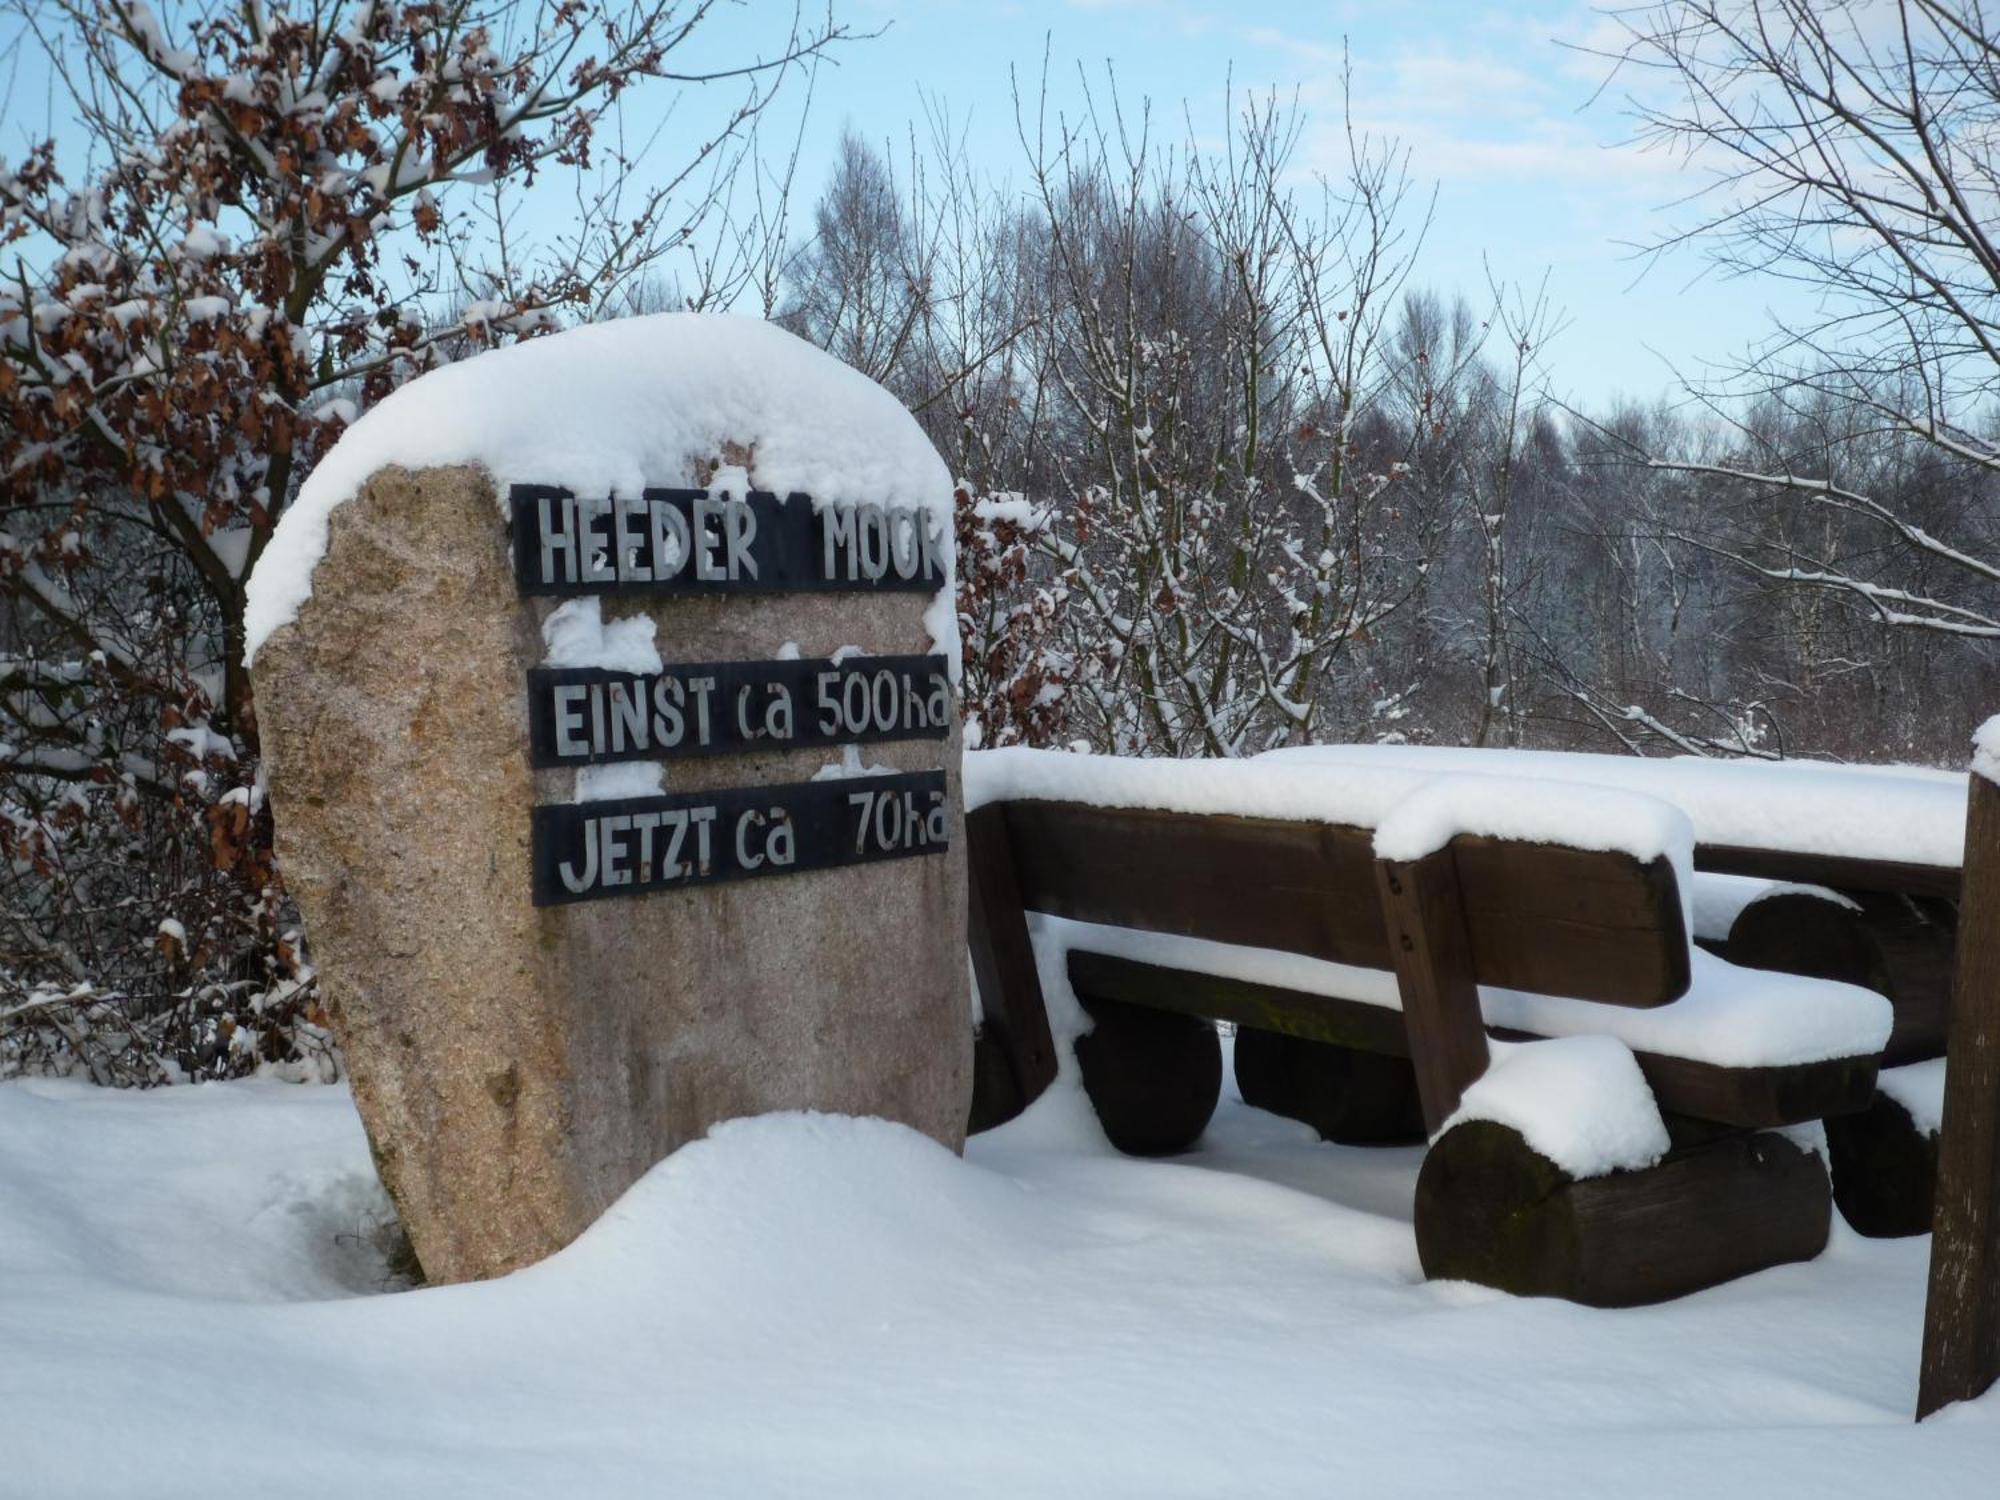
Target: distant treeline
[{"x": 1232, "y": 483}]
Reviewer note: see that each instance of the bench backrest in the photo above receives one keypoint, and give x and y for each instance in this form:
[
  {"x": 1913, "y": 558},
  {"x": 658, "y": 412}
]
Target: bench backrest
[{"x": 1587, "y": 924}]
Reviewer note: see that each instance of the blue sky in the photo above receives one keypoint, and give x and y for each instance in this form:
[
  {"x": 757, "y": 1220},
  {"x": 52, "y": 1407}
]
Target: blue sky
[
  {"x": 1532, "y": 175},
  {"x": 1530, "y": 160}
]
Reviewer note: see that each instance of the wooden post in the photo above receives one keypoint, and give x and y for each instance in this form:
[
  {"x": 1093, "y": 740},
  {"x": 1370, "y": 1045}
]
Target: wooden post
[
  {"x": 1003, "y": 960},
  {"x": 1432, "y": 952},
  {"x": 1962, "y": 1313}
]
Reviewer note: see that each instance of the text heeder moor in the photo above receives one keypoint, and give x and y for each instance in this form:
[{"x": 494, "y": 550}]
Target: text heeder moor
[{"x": 681, "y": 541}]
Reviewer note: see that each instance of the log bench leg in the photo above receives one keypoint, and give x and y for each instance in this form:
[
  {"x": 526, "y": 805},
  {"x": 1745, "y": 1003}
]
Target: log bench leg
[
  {"x": 996, "y": 1095},
  {"x": 1353, "y": 1097},
  {"x": 1884, "y": 1170},
  {"x": 1153, "y": 1076},
  {"x": 1492, "y": 1210},
  {"x": 1898, "y": 946}
]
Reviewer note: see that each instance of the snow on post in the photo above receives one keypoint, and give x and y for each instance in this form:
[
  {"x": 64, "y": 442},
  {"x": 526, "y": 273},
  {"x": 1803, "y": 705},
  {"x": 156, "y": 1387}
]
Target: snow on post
[
  {"x": 1986, "y": 749},
  {"x": 607, "y": 689}
]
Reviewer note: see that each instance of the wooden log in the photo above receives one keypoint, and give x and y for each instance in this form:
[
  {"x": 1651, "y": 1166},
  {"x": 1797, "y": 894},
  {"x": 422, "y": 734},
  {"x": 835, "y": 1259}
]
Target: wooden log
[
  {"x": 1757, "y": 1098},
  {"x": 996, "y": 1097},
  {"x": 1884, "y": 1170},
  {"x": 1432, "y": 954},
  {"x": 1591, "y": 924},
  {"x": 1962, "y": 1313},
  {"x": 1267, "y": 1007},
  {"x": 1838, "y": 871},
  {"x": 1806, "y": 932},
  {"x": 1003, "y": 966},
  {"x": 1897, "y": 945},
  {"x": 1492, "y": 1210},
  {"x": 1300, "y": 887},
  {"x": 1918, "y": 940},
  {"x": 1350, "y": 1096},
  {"x": 1153, "y": 1077}
]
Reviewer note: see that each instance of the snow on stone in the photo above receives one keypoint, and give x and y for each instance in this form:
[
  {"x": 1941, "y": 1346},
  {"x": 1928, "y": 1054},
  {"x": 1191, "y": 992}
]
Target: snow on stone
[
  {"x": 610, "y": 408},
  {"x": 812, "y": 1305},
  {"x": 1986, "y": 749},
  {"x": 626, "y": 778},
  {"x": 1919, "y": 1088},
  {"x": 1581, "y": 1101},
  {"x": 1730, "y": 1016},
  {"x": 1907, "y": 813},
  {"x": 576, "y": 634},
  {"x": 849, "y": 765}
]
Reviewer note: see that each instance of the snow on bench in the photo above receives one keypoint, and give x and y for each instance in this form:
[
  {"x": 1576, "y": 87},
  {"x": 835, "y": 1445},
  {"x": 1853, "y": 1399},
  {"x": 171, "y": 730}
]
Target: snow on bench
[
  {"x": 1729, "y": 1017},
  {"x": 1902, "y": 814}
]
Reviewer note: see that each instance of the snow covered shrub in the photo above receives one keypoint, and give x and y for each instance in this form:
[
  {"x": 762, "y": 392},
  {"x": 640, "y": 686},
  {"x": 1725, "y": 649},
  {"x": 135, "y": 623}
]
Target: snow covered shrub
[
  {"x": 1018, "y": 675},
  {"x": 260, "y": 220},
  {"x": 143, "y": 932},
  {"x": 1157, "y": 371}
]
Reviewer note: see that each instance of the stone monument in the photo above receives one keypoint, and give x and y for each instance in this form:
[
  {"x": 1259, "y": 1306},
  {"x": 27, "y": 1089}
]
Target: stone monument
[{"x": 606, "y": 692}]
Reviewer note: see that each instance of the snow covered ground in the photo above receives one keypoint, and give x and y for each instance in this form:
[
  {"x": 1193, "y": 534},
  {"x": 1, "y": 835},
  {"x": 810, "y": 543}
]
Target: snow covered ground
[{"x": 191, "y": 1304}]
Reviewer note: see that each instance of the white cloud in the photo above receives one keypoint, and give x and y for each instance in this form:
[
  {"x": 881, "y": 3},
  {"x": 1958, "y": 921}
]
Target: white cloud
[
  {"x": 1497, "y": 97},
  {"x": 1453, "y": 84},
  {"x": 1550, "y": 154}
]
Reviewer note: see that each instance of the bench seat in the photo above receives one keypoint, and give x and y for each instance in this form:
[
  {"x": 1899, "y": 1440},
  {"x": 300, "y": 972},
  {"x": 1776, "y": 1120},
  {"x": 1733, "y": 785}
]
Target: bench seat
[{"x": 1326, "y": 1002}]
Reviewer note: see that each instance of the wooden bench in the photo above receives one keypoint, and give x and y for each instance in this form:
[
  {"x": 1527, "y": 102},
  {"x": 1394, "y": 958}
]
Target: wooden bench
[
  {"x": 1886, "y": 926},
  {"x": 1550, "y": 920}
]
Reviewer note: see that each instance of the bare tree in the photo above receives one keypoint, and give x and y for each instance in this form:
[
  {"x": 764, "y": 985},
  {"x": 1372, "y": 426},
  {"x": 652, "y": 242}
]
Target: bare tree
[
  {"x": 1850, "y": 148},
  {"x": 1524, "y": 325},
  {"x": 1212, "y": 335}
]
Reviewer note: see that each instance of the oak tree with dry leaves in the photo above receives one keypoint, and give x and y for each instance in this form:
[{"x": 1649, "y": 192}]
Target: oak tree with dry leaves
[{"x": 246, "y": 223}]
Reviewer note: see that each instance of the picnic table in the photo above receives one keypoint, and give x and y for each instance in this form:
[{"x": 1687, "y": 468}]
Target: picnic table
[
  {"x": 1374, "y": 936},
  {"x": 1857, "y": 872},
  {"x": 1242, "y": 897}
]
